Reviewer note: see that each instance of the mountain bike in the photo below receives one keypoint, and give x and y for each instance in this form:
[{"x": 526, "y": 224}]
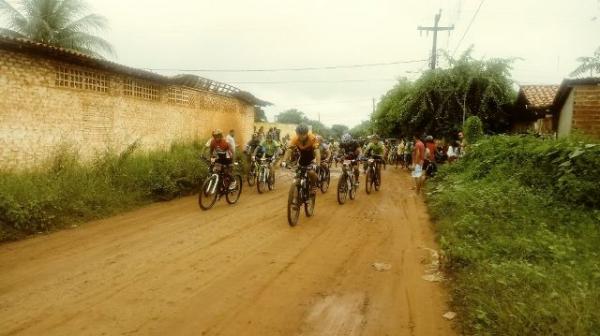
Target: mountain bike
[
  {"x": 264, "y": 178},
  {"x": 218, "y": 184},
  {"x": 373, "y": 175},
  {"x": 324, "y": 177},
  {"x": 393, "y": 157},
  {"x": 252, "y": 172},
  {"x": 346, "y": 185},
  {"x": 300, "y": 195}
]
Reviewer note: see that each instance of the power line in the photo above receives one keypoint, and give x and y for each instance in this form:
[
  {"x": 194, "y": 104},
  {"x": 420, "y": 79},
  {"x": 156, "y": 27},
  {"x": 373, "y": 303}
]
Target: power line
[
  {"x": 333, "y": 67},
  {"x": 468, "y": 27}
]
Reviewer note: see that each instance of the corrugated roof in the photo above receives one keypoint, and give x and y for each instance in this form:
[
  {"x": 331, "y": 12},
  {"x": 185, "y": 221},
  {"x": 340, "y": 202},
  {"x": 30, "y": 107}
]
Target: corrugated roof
[
  {"x": 72, "y": 56},
  {"x": 539, "y": 96}
]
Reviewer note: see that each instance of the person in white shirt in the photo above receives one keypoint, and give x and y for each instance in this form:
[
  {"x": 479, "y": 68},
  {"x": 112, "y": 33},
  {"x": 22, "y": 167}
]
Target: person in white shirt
[{"x": 231, "y": 140}]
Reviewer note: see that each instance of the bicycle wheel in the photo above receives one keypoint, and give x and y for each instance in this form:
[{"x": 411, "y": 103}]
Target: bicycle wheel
[
  {"x": 209, "y": 192},
  {"x": 293, "y": 207},
  {"x": 271, "y": 180},
  {"x": 377, "y": 180},
  {"x": 252, "y": 175},
  {"x": 233, "y": 195},
  {"x": 342, "y": 190},
  {"x": 326, "y": 179},
  {"x": 309, "y": 206},
  {"x": 352, "y": 187},
  {"x": 261, "y": 180},
  {"x": 369, "y": 181}
]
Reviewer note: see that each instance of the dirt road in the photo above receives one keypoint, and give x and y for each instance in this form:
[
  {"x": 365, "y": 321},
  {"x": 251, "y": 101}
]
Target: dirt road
[{"x": 171, "y": 269}]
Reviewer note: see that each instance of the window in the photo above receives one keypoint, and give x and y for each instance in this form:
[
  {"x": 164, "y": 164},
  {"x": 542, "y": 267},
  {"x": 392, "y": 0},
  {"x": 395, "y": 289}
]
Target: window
[
  {"x": 81, "y": 79},
  {"x": 181, "y": 96},
  {"x": 142, "y": 90}
]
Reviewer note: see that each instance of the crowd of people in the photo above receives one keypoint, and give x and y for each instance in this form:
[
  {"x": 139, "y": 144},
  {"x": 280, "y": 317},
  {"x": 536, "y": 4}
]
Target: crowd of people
[{"x": 421, "y": 154}]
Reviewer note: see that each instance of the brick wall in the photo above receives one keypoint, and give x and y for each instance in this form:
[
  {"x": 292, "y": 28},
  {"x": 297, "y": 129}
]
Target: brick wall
[
  {"x": 586, "y": 110},
  {"x": 46, "y": 103}
]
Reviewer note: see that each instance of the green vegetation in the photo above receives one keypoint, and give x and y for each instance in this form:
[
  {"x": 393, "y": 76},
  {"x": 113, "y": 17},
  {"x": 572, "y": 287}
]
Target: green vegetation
[
  {"x": 519, "y": 224},
  {"x": 473, "y": 129},
  {"x": 66, "y": 192},
  {"x": 440, "y": 100},
  {"x": 294, "y": 116},
  {"x": 61, "y": 23}
]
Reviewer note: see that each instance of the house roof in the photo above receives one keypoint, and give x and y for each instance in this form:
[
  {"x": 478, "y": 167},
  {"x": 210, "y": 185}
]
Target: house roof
[
  {"x": 567, "y": 85},
  {"x": 75, "y": 57},
  {"x": 538, "y": 96}
]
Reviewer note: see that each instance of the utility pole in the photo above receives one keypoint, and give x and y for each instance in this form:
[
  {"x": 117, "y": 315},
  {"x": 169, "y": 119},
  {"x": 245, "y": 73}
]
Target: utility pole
[{"x": 435, "y": 29}]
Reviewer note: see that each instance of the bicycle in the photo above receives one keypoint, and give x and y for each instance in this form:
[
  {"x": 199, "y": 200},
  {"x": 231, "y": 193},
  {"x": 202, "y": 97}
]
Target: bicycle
[
  {"x": 299, "y": 196},
  {"x": 373, "y": 175},
  {"x": 264, "y": 178},
  {"x": 217, "y": 185},
  {"x": 324, "y": 175},
  {"x": 252, "y": 173},
  {"x": 346, "y": 185}
]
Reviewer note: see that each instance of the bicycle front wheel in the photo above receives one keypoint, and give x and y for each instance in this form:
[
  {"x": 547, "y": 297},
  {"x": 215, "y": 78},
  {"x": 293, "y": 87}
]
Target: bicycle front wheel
[
  {"x": 342, "y": 190},
  {"x": 233, "y": 194},
  {"x": 293, "y": 206},
  {"x": 209, "y": 192}
]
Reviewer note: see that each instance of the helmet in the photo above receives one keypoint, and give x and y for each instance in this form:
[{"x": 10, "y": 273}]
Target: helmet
[
  {"x": 319, "y": 138},
  {"x": 429, "y": 138},
  {"x": 217, "y": 132},
  {"x": 375, "y": 137},
  {"x": 302, "y": 129},
  {"x": 346, "y": 138}
]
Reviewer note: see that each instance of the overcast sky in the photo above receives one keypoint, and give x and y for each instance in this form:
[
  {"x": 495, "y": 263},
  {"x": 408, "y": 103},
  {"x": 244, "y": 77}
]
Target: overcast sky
[{"x": 200, "y": 34}]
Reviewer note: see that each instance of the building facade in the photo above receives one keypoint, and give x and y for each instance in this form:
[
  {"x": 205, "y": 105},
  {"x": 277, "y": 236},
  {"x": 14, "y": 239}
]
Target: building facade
[
  {"x": 52, "y": 97},
  {"x": 577, "y": 107}
]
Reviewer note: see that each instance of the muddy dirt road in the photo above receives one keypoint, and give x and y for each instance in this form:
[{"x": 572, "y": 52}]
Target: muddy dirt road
[{"x": 171, "y": 269}]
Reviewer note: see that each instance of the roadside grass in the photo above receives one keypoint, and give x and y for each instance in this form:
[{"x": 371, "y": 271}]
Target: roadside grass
[
  {"x": 519, "y": 223},
  {"x": 64, "y": 191}
]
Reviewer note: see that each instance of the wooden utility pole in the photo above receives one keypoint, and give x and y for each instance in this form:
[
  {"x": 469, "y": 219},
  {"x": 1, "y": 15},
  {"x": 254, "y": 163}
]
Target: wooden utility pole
[{"x": 435, "y": 29}]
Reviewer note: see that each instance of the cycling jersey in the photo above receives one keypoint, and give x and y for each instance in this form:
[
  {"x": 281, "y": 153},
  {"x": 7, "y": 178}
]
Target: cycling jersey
[
  {"x": 270, "y": 148},
  {"x": 350, "y": 148},
  {"x": 222, "y": 150},
  {"x": 306, "y": 148}
]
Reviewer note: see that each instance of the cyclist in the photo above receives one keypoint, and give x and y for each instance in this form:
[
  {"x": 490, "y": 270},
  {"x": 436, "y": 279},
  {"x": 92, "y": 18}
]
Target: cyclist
[
  {"x": 375, "y": 149},
  {"x": 221, "y": 151},
  {"x": 270, "y": 149},
  {"x": 308, "y": 147},
  {"x": 252, "y": 144},
  {"x": 325, "y": 149},
  {"x": 352, "y": 150}
]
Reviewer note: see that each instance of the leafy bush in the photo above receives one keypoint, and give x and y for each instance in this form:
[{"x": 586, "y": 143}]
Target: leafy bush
[
  {"x": 519, "y": 224},
  {"x": 67, "y": 191},
  {"x": 473, "y": 129}
]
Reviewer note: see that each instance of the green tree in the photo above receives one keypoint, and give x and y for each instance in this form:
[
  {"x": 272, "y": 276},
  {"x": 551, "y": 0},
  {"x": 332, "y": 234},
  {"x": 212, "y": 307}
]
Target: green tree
[
  {"x": 362, "y": 130},
  {"x": 61, "y": 23},
  {"x": 588, "y": 64},
  {"x": 440, "y": 100},
  {"x": 259, "y": 114},
  {"x": 338, "y": 130},
  {"x": 473, "y": 129},
  {"x": 291, "y": 116}
]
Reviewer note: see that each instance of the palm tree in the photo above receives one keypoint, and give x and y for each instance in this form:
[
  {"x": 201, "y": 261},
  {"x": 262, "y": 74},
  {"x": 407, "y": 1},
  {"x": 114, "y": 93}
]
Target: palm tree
[
  {"x": 591, "y": 64},
  {"x": 61, "y": 23}
]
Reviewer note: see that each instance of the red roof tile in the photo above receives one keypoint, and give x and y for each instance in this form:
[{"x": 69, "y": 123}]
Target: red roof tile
[{"x": 539, "y": 96}]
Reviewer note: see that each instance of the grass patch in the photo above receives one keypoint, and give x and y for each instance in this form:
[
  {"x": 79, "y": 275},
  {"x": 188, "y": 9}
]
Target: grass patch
[
  {"x": 65, "y": 191},
  {"x": 519, "y": 222}
]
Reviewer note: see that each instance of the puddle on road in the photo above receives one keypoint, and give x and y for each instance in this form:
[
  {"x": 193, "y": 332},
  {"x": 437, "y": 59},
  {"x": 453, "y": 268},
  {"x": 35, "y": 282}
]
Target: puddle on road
[{"x": 336, "y": 315}]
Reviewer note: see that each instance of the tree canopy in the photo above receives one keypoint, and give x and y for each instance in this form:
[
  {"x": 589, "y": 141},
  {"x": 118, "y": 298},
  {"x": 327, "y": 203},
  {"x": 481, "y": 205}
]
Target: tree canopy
[
  {"x": 61, "y": 23},
  {"x": 259, "y": 114},
  {"x": 589, "y": 65},
  {"x": 440, "y": 100}
]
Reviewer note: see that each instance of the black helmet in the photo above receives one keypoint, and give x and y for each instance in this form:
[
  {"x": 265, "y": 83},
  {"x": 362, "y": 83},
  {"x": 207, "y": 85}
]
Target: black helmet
[{"x": 302, "y": 129}]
